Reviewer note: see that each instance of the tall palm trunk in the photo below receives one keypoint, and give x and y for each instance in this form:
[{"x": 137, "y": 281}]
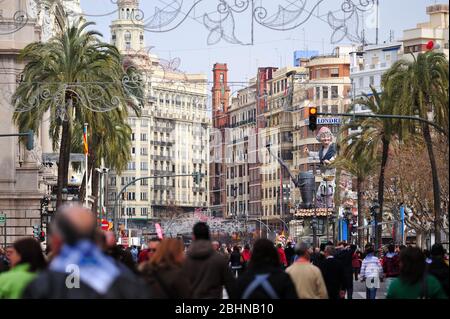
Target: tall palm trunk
[
  {"x": 64, "y": 159},
  {"x": 436, "y": 187},
  {"x": 359, "y": 182},
  {"x": 379, "y": 217}
]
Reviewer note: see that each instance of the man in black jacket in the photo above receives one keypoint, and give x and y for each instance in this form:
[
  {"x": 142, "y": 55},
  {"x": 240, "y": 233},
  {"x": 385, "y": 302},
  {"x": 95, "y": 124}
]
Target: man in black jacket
[
  {"x": 333, "y": 274},
  {"x": 79, "y": 269},
  {"x": 207, "y": 270},
  {"x": 344, "y": 254}
]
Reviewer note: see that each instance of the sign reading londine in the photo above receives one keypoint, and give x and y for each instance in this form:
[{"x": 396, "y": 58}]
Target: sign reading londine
[{"x": 327, "y": 121}]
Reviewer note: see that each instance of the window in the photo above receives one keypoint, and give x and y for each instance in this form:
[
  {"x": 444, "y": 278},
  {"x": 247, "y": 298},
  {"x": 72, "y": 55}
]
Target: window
[
  {"x": 334, "y": 72},
  {"x": 325, "y": 108},
  {"x": 144, "y": 196},
  {"x": 375, "y": 61},
  {"x": 131, "y": 196},
  {"x": 144, "y": 211},
  {"x": 334, "y": 92},
  {"x": 143, "y": 137},
  {"x": 325, "y": 92},
  {"x": 144, "y": 166},
  {"x": 372, "y": 80},
  {"x": 131, "y": 166},
  {"x": 334, "y": 109},
  {"x": 361, "y": 82},
  {"x": 131, "y": 211},
  {"x": 317, "y": 74},
  {"x": 317, "y": 92},
  {"x": 133, "y": 137},
  {"x": 144, "y": 151},
  {"x": 144, "y": 182},
  {"x": 133, "y": 151},
  {"x": 127, "y": 40},
  {"x": 112, "y": 181}
]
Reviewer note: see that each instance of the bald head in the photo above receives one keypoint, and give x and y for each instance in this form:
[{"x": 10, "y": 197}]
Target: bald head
[{"x": 74, "y": 223}]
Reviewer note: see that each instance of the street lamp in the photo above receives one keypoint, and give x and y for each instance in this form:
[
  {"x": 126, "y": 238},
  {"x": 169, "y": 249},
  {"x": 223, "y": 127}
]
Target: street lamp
[
  {"x": 314, "y": 229},
  {"x": 374, "y": 211},
  {"x": 332, "y": 220},
  {"x": 65, "y": 194},
  {"x": 348, "y": 218}
]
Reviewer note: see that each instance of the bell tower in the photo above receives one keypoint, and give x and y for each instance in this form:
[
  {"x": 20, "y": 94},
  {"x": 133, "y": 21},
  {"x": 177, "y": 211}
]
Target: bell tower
[{"x": 127, "y": 32}]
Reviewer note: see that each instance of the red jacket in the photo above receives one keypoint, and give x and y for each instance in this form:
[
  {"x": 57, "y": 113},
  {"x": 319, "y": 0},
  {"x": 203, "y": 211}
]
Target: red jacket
[
  {"x": 356, "y": 261},
  {"x": 143, "y": 256},
  {"x": 282, "y": 256},
  {"x": 246, "y": 255}
]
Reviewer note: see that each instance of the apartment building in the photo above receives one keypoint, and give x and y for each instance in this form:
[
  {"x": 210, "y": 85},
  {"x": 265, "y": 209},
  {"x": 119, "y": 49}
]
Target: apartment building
[
  {"x": 435, "y": 29},
  {"x": 170, "y": 138}
]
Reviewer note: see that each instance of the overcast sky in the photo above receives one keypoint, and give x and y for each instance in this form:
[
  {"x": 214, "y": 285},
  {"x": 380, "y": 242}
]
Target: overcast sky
[{"x": 189, "y": 40}]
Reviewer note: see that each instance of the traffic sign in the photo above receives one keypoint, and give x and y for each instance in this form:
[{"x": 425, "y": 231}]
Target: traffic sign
[
  {"x": 2, "y": 218},
  {"x": 105, "y": 224}
]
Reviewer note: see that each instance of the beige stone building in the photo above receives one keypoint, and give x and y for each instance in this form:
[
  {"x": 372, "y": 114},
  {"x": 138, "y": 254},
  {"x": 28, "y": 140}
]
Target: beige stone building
[
  {"x": 170, "y": 138},
  {"x": 24, "y": 179}
]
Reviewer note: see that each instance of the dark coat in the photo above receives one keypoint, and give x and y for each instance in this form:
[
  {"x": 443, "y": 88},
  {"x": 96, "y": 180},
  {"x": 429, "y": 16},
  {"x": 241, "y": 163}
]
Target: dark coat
[
  {"x": 52, "y": 285},
  {"x": 345, "y": 256},
  {"x": 334, "y": 277},
  {"x": 280, "y": 281},
  {"x": 289, "y": 252},
  {"x": 207, "y": 271},
  {"x": 167, "y": 282},
  {"x": 329, "y": 155},
  {"x": 439, "y": 269}
]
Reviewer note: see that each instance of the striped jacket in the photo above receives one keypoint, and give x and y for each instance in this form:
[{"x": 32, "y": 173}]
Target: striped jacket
[{"x": 371, "y": 267}]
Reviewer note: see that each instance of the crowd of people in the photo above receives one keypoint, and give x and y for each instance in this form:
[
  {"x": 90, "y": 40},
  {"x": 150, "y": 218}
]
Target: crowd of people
[{"x": 84, "y": 262}]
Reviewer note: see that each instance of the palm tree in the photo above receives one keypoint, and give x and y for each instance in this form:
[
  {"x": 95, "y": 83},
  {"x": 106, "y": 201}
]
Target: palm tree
[
  {"x": 371, "y": 135},
  {"x": 422, "y": 90},
  {"x": 360, "y": 166},
  {"x": 73, "y": 76}
]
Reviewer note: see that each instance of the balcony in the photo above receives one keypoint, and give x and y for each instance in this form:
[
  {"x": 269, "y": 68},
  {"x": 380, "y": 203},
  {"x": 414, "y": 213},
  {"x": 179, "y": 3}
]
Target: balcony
[
  {"x": 161, "y": 173},
  {"x": 161, "y": 158}
]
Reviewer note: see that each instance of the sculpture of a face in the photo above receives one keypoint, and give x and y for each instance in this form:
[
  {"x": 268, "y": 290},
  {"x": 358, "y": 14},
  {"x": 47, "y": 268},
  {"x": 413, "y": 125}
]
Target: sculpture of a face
[{"x": 326, "y": 139}]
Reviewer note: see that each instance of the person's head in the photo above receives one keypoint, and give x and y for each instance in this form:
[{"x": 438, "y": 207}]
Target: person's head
[
  {"x": 401, "y": 247},
  {"x": 264, "y": 254},
  {"x": 426, "y": 253},
  {"x": 437, "y": 251},
  {"x": 72, "y": 224},
  {"x": 329, "y": 251},
  {"x": 170, "y": 252},
  {"x": 412, "y": 265},
  {"x": 215, "y": 245},
  {"x": 369, "y": 249},
  {"x": 279, "y": 246},
  {"x": 110, "y": 239},
  {"x": 236, "y": 249},
  {"x": 302, "y": 250},
  {"x": 325, "y": 136},
  {"x": 28, "y": 251},
  {"x": 322, "y": 246},
  {"x": 353, "y": 248},
  {"x": 247, "y": 247},
  {"x": 153, "y": 246},
  {"x": 391, "y": 248},
  {"x": 288, "y": 244},
  {"x": 201, "y": 231}
]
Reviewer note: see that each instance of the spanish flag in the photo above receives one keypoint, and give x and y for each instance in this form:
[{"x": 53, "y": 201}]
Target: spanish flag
[{"x": 85, "y": 142}]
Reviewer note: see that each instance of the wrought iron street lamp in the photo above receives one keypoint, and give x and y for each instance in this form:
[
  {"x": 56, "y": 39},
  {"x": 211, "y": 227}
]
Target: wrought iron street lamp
[
  {"x": 314, "y": 229},
  {"x": 374, "y": 211}
]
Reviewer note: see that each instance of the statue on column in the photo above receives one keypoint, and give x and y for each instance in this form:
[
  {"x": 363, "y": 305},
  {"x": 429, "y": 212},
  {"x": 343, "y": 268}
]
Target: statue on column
[{"x": 326, "y": 155}]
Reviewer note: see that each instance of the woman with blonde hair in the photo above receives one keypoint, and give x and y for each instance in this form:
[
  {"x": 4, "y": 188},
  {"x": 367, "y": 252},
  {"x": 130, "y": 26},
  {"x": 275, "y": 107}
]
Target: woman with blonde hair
[{"x": 164, "y": 272}]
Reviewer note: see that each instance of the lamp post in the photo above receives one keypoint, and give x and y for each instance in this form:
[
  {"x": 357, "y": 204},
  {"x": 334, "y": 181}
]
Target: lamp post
[
  {"x": 314, "y": 229},
  {"x": 65, "y": 194},
  {"x": 332, "y": 221},
  {"x": 374, "y": 211}
]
